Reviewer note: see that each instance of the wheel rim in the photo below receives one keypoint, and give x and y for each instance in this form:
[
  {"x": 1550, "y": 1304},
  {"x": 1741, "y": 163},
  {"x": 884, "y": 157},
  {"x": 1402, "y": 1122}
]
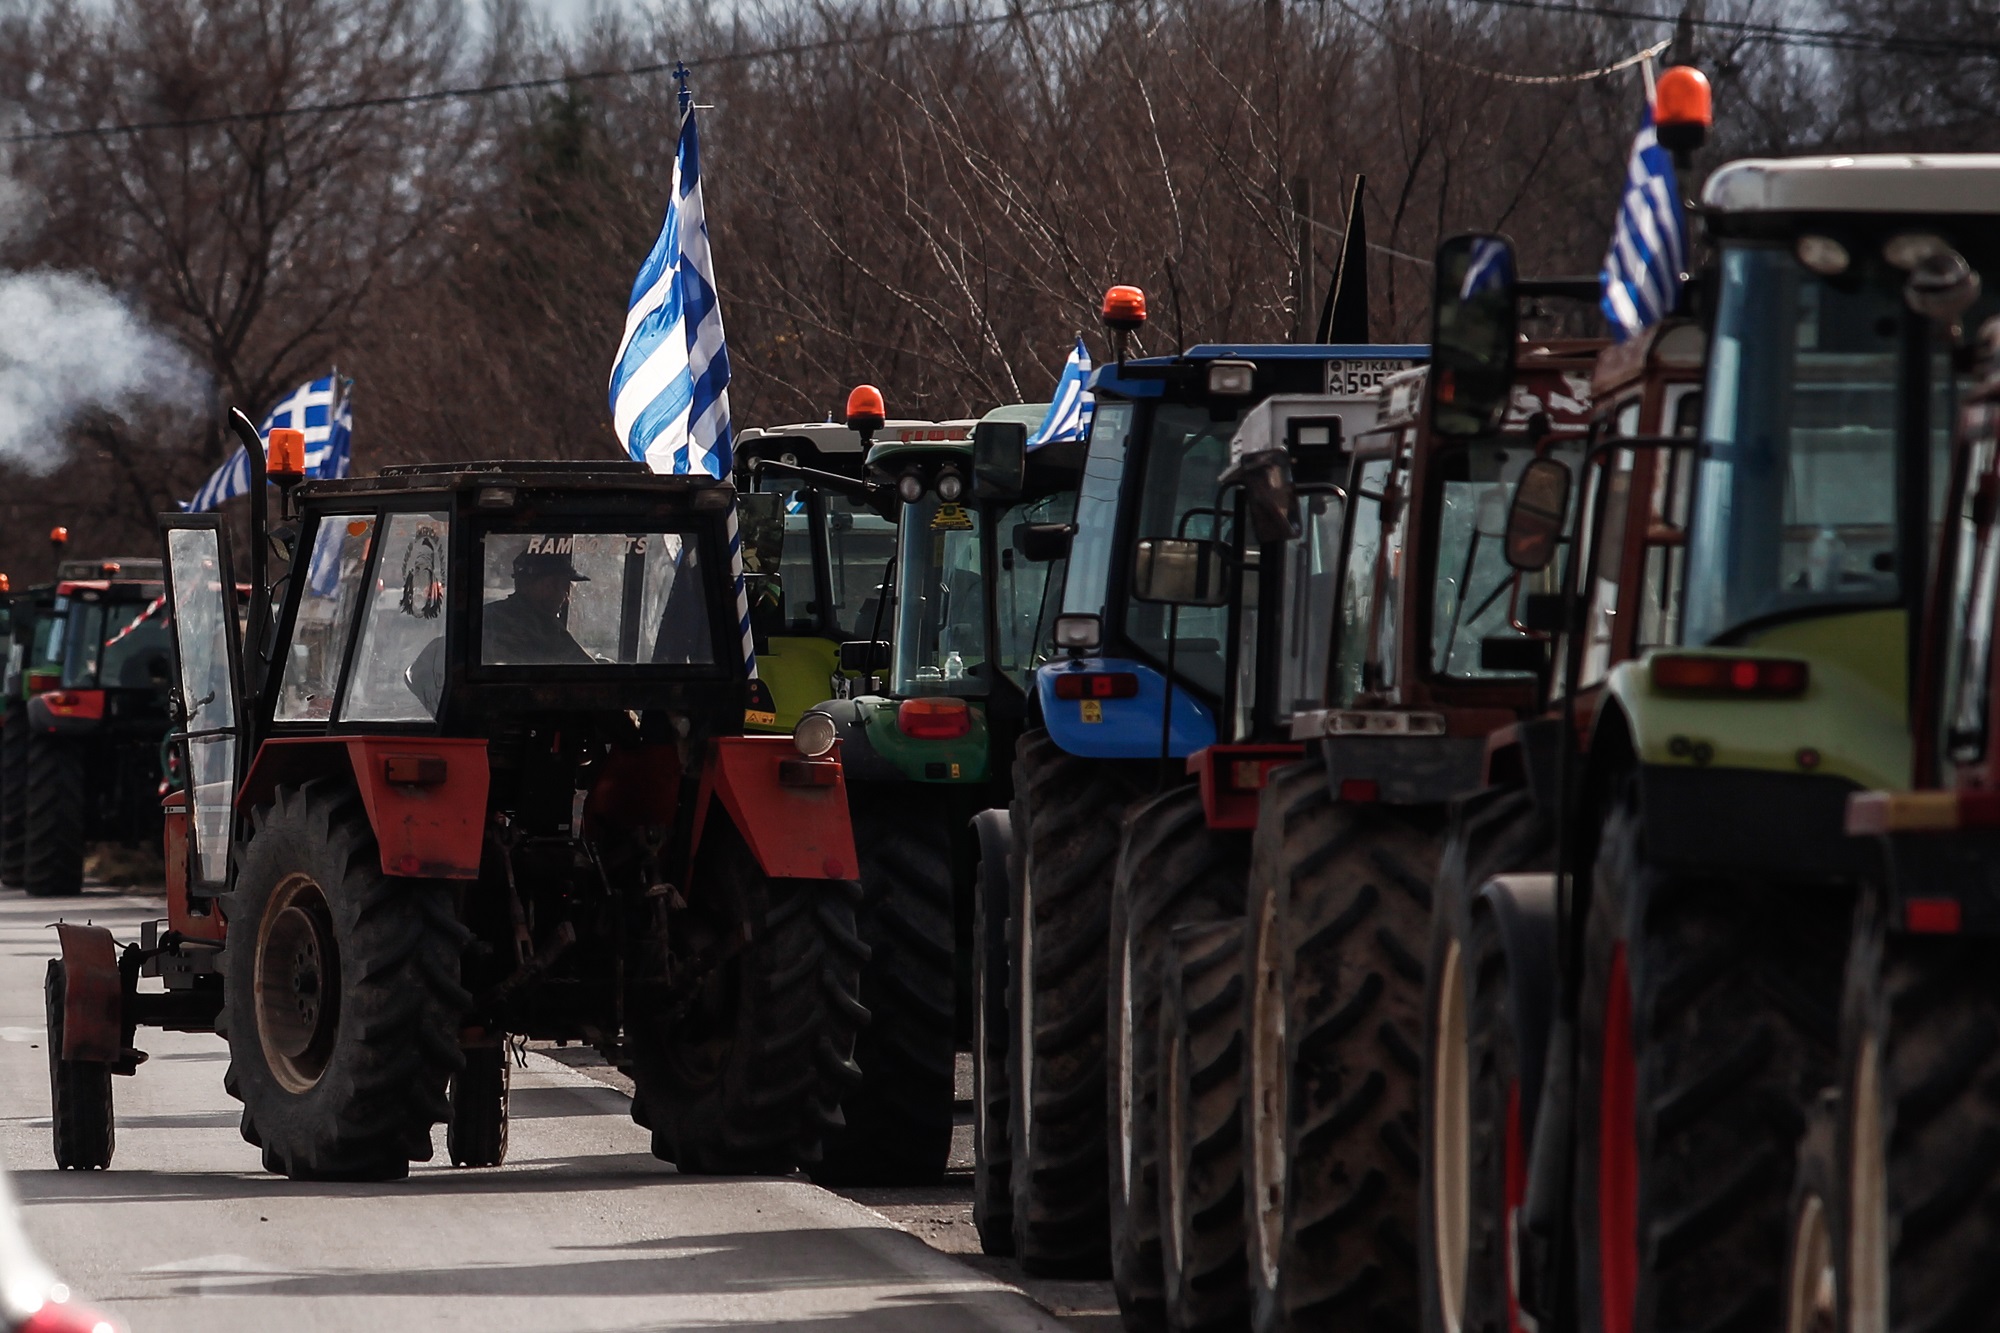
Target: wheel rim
[
  {"x": 1024, "y": 933},
  {"x": 1868, "y": 1199},
  {"x": 1812, "y": 1284},
  {"x": 297, "y": 983},
  {"x": 1451, "y": 1143},
  {"x": 1173, "y": 1167},
  {"x": 1126, "y": 1146},
  {"x": 1618, "y": 1157},
  {"x": 1268, "y": 1099}
]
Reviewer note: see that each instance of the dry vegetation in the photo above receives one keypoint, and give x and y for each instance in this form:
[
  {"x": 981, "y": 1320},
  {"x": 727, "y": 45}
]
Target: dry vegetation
[{"x": 899, "y": 194}]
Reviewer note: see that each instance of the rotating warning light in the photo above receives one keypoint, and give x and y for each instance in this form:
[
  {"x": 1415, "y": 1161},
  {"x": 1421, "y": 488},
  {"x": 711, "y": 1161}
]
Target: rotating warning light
[
  {"x": 1124, "y": 309},
  {"x": 58, "y": 536},
  {"x": 1682, "y": 109},
  {"x": 865, "y": 412},
  {"x": 285, "y": 454}
]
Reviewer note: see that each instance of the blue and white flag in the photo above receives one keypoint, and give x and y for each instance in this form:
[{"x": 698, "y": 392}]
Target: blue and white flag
[
  {"x": 670, "y": 379},
  {"x": 1642, "y": 269},
  {"x": 320, "y": 411},
  {"x": 1070, "y": 411}
]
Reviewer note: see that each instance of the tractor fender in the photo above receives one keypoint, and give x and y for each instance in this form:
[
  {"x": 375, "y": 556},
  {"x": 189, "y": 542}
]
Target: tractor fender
[
  {"x": 1523, "y": 907},
  {"x": 1127, "y": 728},
  {"x": 797, "y": 829},
  {"x": 93, "y": 994},
  {"x": 425, "y": 795},
  {"x": 853, "y": 719}
]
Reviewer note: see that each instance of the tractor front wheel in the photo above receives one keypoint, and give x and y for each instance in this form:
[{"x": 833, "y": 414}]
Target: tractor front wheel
[
  {"x": 79, "y": 1092},
  {"x": 898, "y": 1118},
  {"x": 343, "y": 1002},
  {"x": 476, "y": 1135},
  {"x": 56, "y": 803},
  {"x": 746, "y": 1075}
]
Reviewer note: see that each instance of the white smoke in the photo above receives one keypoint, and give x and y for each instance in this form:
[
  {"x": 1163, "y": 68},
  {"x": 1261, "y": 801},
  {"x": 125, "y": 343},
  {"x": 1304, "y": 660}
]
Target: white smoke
[{"x": 68, "y": 347}]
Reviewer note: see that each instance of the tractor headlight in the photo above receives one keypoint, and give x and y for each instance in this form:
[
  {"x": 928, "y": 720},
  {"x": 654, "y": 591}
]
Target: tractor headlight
[
  {"x": 814, "y": 735},
  {"x": 950, "y": 486},
  {"x": 910, "y": 488}
]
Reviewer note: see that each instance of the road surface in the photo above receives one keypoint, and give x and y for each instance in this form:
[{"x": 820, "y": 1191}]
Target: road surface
[{"x": 582, "y": 1229}]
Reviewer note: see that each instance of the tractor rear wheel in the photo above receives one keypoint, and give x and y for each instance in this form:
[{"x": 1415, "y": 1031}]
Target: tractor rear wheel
[
  {"x": 476, "y": 1134},
  {"x": 992, "y": 1091},
  {"x": 1201, "y": 1130},
  {"x": 1708, "y": 1027},
  {"x": 1812, "y": 1265},
  {"x": 79, "y": 1092},
  {"x": 14, "y": 796},
  {"x": 1918, "y": 1164},
  {"x": 56, "y": 795},
  {"x": 899, "y": 1117},
  {"x": 1173, "y": 870},
  {"x": 1067, "y": 815},
  {"x": 1476, "y": 1169},
  {"x": 343, "y": 1001},
  {"x": 1340, "y": 900},
  {"x": 748, "y": 1077}
]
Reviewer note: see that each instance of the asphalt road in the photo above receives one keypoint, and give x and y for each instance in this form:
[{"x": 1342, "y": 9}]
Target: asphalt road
[{"x": 582, "y": 1229}]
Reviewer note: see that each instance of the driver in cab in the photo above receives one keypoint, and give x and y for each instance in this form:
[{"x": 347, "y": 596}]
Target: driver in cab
[{"x": 527, "y": 627}]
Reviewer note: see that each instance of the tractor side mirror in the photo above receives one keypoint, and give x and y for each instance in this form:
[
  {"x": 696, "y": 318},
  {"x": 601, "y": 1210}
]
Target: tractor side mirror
[
  {"x": 1473, "y": 332},
  {"x": 1535, "y": 520},
  {"x": 1043, "y": 542},
  {"x": 999, "y": 459},
  {"x": 864, "y": 656},
  {"x": 1181, "y": 571}
]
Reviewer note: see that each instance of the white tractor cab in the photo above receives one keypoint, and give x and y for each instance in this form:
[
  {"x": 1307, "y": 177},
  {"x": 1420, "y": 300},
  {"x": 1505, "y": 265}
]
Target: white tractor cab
[{"x": 818, "y": 539}]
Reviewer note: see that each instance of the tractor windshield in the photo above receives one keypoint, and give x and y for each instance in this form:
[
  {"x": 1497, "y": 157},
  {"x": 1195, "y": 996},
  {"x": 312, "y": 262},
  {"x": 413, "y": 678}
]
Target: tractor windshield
[
  {"x": 940, "y": 602},
  {"x": 1097, "y": 510},
  {"x": 1799, "y": 488},
  {"x": 117, "y": 644},
  {"x": 788, "y": 595},
  {"x": 860, "y": 543},
  {"x": 1025, "y": 591},
  {"x": 593, "y": 599},
  {"x": 1312, "y": 582}
]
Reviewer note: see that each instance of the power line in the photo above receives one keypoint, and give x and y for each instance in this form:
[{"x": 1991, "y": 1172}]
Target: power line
[
  {"x": 128, "y": 128},
  {"x": 1838, "y": 39}
]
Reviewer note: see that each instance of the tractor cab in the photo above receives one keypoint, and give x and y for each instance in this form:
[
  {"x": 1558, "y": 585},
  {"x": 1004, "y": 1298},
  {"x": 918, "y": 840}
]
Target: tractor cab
[
  {"x": 1159, "y": 440},
  {"x": 818, "y": 542}
]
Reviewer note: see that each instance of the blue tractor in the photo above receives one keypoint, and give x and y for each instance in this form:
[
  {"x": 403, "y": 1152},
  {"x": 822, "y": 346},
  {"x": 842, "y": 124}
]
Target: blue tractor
[{"x": 1139, "y": 686}]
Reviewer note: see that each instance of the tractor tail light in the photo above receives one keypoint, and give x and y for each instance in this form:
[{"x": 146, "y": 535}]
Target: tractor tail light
[
  {"x": 1730, "y": 677},
  {"x": 41, "y": 681},
  {"x": 1931, "y": 916},
  {"x": 62, "y": 1317},
  {"x": 74, "y": 703},
  {"x": 1360, "y": 791},
  {"x": 933, "y": 719},
  {"x": 1096, "y": 685}
]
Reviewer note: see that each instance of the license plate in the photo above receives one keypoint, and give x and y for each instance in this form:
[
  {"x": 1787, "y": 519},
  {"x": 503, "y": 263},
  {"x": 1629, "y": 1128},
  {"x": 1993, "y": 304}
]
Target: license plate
[{"x": 1356, "y": 377}]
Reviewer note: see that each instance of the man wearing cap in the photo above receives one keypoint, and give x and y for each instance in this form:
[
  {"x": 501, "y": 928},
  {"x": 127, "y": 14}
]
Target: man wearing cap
[{"x": 526, "y": 628}]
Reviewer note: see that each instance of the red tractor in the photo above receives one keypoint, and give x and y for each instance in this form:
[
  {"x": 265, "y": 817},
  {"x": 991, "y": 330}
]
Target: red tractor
[{"x": 475, "y": 773}]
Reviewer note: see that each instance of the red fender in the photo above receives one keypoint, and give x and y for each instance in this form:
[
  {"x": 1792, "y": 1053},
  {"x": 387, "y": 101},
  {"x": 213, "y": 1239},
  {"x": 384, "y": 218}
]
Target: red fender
[
  {"x": 93, "y": 994},
  {"x": 181, "y": 916},
  {"x": 425, "y": 795},
  {"x": 1232, "y": 775},
  {"x": 791, "y": 811}
]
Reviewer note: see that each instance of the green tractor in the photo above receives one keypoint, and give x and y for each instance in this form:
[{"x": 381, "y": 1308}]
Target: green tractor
[
  {"x": 941, "y": 688},
  {"x": 817, "y": 542}
]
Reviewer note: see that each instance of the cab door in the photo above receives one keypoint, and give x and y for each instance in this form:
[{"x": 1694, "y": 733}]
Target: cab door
[{"x": 202, "y": 588}]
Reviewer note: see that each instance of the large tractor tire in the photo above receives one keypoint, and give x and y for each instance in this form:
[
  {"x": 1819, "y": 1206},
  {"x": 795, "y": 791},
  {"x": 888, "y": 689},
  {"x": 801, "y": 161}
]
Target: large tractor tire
[
  {"x": 476, "y": 1134},
  {"x": 57, "y": 779},
  {"x": 79, "y": 1092},
  {"x": 899, "y": 1117},
  {"x": 992, "y": 1089},
  {"x": 14, "y": 797},
  {"x": 1707, "y": 1030},
  {"x": 1475, "y": 1172},
  {"x": 1812, "y": 1266},
  {"x": 1173, "y": 870},
  {"x": 342, "y": 998},
  {"x": 1067, "y": 816},
  {"x": 1201, "y": 1131},
  {"x": 1919, "y": 1133},
  {"x": 749, "y": 1079},
  {"x": 1339, "y": 915}
]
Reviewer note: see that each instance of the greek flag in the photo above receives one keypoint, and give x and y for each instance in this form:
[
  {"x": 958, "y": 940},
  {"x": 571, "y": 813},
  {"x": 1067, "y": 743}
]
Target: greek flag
[
  {"x": 670, "y": 379},
  {"x": 1642, "y": 269},
  {"x": 317, "y": 408},
  {"x": 1070, "y": 412},
  {"x": 324, "y": 572}
]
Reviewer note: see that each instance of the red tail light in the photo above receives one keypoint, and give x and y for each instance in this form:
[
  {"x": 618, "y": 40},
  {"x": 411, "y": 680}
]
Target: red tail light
[
  {"x": 934, "y": 719},
  {"x": 1096, "y": 685},
  {"x": 38, "y": 681},
  {"x": 75, "y": 703},
  {"x": 1931, "y": 916},
  {"x": 62, "y": 1317},
  {"x": 1730, "y": 677},
  {"x": 1361, "y": 791}
]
